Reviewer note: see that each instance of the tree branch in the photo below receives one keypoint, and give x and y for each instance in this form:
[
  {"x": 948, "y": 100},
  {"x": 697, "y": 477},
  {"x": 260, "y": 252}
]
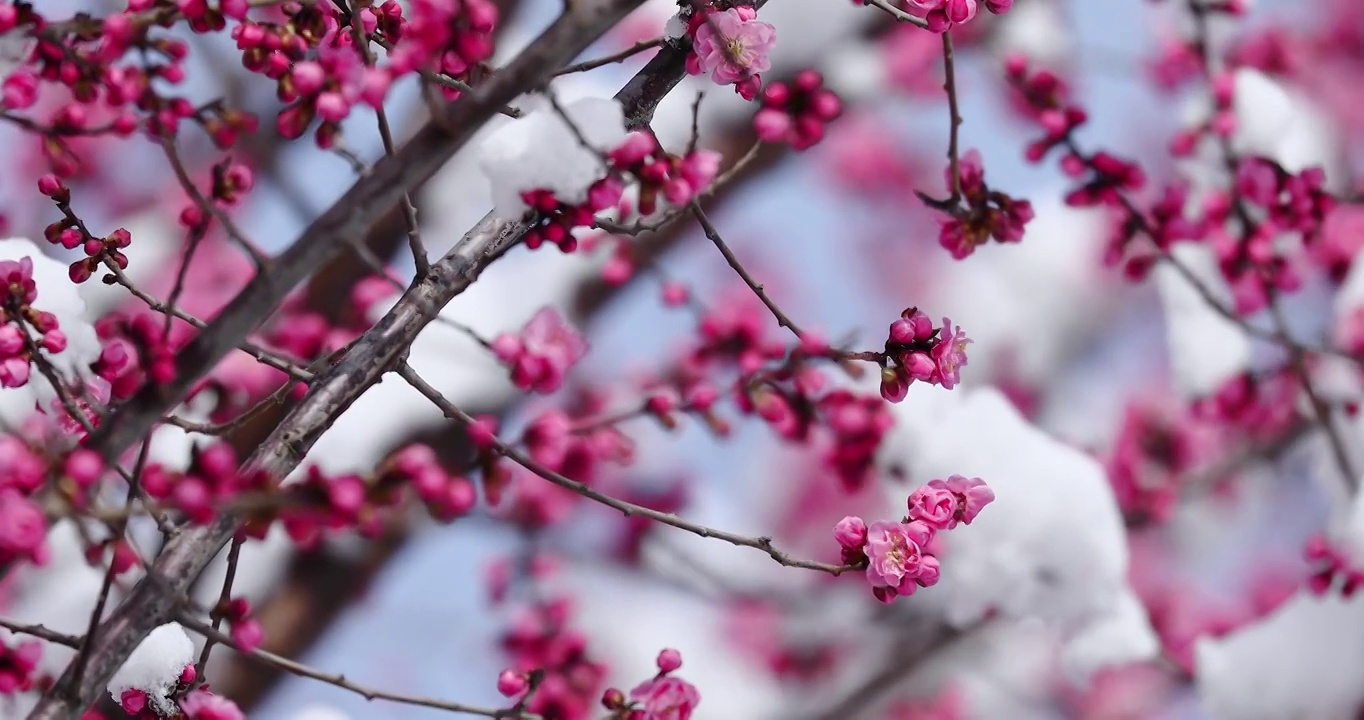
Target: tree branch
[{"x": 157, "y": 597}]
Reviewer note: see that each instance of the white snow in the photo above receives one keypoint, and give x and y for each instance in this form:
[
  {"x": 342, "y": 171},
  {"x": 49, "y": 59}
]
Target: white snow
[
  {"x": 1052, "y": 545},
  {"x": 59, "y": 296},
  {"x": 541, "y": 151},
  {"x": 1206, "y": 349},
  {"x": 320, "y": 712},
  {"x": 1280, "y": 123},
  {"x": 155, "y": 666},
  {"x": 1036, "y": 29},
  {"x": 1306, "y": 660}
]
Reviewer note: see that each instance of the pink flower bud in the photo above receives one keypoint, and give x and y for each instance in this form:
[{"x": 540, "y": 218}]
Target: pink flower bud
[
  {"x": 669, "y": 660},
  {"x": 851, "y": 532}
]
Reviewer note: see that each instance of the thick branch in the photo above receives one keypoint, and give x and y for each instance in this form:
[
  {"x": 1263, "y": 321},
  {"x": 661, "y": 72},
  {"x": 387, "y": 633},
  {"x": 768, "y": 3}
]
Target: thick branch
[{"x": 156, "y": 598}]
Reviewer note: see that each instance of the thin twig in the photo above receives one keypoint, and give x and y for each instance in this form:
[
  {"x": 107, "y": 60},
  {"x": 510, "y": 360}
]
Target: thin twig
[
  {"x": 42, "y": 633},
  {"x": 954, "y": 113},
  {"x": 897, "y": 13},
  {"x": 714, "y": 236},
  {"x": 629, "y": 52},
  {"x": 627, "y": 508},
  {"x": 339, "y": 680}
]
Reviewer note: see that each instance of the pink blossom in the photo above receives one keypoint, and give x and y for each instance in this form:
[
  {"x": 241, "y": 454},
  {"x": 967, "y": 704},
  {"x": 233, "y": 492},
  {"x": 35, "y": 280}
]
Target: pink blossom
[
  {"x": 666, "y": 698},
  {"x": 669, "y": 660},
  {"x": 851, "y": 533},
  {"x": 950, "y": 354},
  {"x": 971, "y": 494},
  {"x": 23, "y": 528},
  {"x": 18, "y": 664},
  {"x": 894, "y": 551},
  {"x": 935, "y": 507},
  {"x": 542, "y": 354},
  {"x": 204, "y": 705},
  {"x": 732, "y": 48}
]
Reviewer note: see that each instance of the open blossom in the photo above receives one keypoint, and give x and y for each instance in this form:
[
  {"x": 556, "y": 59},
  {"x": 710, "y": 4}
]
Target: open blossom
[
  {"x": 732, "y": 45},
  {"x": 895, "y": 553},
  {"x": 950, "y": 354},
  {"x": 666, "y": 698}
]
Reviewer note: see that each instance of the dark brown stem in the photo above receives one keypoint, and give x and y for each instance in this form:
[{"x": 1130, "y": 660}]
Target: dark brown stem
[
  {"x": 954, "y": 112},
  {"x": 714, "y": 236},
  {"x": 626, "y": 508}
]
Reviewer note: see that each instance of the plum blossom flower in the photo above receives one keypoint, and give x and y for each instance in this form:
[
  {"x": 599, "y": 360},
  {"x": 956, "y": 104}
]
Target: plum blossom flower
[
  {"x": 949, "y": 355},
  {"x": 934, "y": 506},
  {"x": 895, "y": 553},
  {"x": 733, "y": 45},
  {"x": 971, "y": 495},
  {"x": 666, "y": 698}
]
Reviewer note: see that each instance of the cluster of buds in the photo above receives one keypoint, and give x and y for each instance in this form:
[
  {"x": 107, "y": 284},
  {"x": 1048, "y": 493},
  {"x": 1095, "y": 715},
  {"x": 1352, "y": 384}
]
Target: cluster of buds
[
  {"x": 542, "y": 353},
  {"x": 663, "y": 696},
  {"x": 858, "y": 424},
  {"x": 1295, "y": 202},
  {"x": 245, "y": 629},
  {"x": 916, "y": 350},
  {"x": 1334, "y": 567},
  {"x": 677, "y": 179},
  {"x": 1044, "y": 98},
  {"x": 212, "y": 478},
  {"x": 70, "y": 233},
  {"x": 1153, "y": 453},
  {"x": 192, "y": 704},
  {"x": 978, "y": 213},
  {"x": 17, "y": 316},
  {"x": 1264, "y": 405},
  {"x": 543, "y": 645},
  {"x": 446, "y": 496},
  {"x": 898, "y": 556},
  {"x": 136, "y": 349},
  {"x": 797, "y": 114},
  {"x": 452, "y": 37}
]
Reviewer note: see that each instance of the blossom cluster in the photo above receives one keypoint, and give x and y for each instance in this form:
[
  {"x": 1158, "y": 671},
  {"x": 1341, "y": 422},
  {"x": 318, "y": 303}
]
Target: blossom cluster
[
  {"x": 17, "y": 317},
  {"x": 977, "y": 213},
  {"x": 1151, "y": 457},
  {"x": 898, "y": 556},
  {"x": 797, "y": 113},
  {"x": 543, "y": 646},
  {"x": 662, "y": 697},
  {"x": 918, "y": 351},
  {"x": 1333, "y": 567},
  {"x": 541, "y": 354},
  {"x": 638, "y": 160}
]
